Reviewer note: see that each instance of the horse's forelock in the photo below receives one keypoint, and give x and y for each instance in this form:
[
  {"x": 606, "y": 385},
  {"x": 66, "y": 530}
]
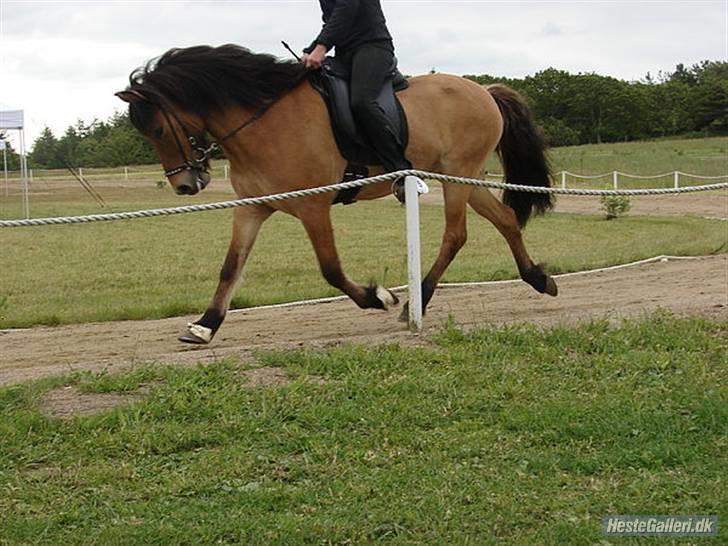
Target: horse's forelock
[{"x": 141, "y": 114}]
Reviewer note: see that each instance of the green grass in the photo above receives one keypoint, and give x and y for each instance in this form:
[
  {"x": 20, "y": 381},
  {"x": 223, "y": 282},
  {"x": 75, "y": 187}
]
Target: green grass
[
  {"x": 501, "y": 436},
  {"x": 706, "y": 157},
  {"x": 166, "y": 267}
]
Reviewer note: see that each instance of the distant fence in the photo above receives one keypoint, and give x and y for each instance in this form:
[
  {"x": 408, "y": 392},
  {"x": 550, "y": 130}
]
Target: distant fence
[
  {"x": 614, "y": 179},
  {"x": 566, "y": 179},
  {"x": 118, "y": 174}
]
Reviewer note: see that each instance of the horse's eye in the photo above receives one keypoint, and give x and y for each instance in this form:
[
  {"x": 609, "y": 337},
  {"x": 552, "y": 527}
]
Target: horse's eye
[{"x": 158, "y": 132}]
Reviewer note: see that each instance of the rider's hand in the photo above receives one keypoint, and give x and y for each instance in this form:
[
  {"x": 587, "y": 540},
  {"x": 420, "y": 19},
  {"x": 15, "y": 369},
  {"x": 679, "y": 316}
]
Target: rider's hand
[{"x": 315, "y": 58}]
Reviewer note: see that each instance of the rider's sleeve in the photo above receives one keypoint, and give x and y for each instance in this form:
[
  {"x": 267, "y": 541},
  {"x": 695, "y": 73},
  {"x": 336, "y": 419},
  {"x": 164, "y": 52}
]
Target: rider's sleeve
[{"x": 338, "y": 25}]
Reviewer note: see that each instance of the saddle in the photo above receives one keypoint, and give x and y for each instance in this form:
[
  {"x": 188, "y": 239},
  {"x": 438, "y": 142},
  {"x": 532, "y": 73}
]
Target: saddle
[{"x": 332, "y": 82}]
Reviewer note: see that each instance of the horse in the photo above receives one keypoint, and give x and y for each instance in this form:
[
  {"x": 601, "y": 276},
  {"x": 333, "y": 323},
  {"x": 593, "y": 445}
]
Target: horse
[{"x": 275, "y": 130}]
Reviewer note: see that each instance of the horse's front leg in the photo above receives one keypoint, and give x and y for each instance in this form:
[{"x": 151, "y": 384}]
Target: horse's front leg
[
  {"x": 246, "y": 225},
  {"x": 317, "y": 222}
]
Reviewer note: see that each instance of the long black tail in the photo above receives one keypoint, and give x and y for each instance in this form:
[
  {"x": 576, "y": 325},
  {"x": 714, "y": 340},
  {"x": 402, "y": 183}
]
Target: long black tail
[{"x": 522, "y": 150}]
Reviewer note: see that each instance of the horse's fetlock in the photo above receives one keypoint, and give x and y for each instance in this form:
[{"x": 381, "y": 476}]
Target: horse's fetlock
[
  {"x": 536, "y": 277},
  {"x": 212, "y": 319},
  {"x": 378, "y": 297}
]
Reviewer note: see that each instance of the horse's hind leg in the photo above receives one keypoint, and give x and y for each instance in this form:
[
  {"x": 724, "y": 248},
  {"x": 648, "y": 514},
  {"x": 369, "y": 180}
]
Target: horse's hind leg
[
  {"x": 504, "y": 219},
  {"x": 317, "y": 222},
  {"x": 246, "y": 225},
  {"x": 453, "y": 239}
]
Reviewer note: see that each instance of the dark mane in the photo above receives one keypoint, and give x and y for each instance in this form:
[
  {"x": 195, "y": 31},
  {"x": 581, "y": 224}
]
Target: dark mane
[{"x": 203, "y": 79}]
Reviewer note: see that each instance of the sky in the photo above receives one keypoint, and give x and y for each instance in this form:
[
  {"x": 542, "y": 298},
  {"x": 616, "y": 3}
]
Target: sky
[{"x": 61, "y": 61}]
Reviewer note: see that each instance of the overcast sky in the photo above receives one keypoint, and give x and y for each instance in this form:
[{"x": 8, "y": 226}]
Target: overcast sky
[{"x": 63, "y": 60}]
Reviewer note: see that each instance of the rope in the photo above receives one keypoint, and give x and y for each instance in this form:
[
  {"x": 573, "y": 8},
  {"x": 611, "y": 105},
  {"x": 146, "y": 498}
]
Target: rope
[
  {"x": 638, "y": 177},
  {"x": 388, "y": 177},
  {"x": 591, "y": 177},
  {"x": 697, "y": 176}
]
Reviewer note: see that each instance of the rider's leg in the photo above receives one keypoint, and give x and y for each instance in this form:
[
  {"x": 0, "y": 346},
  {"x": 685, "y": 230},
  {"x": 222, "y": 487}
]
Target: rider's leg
[{"x": 370, "y": 67}]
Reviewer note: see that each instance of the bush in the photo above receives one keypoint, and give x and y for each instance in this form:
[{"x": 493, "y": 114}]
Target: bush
[{"x": 615, "y": 205}]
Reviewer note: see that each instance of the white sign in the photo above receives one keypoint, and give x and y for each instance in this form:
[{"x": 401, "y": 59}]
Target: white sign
[
  {"x": 11, "y": 119},
  {"x": 2, "y": 145}
]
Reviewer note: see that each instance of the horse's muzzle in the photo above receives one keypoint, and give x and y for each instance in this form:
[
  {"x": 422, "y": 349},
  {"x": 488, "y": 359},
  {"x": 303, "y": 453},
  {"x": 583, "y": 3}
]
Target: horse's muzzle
[{"x": 196, "y": 182}]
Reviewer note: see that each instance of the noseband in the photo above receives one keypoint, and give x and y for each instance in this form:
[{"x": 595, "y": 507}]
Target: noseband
[{"x": 200, "y": 154}]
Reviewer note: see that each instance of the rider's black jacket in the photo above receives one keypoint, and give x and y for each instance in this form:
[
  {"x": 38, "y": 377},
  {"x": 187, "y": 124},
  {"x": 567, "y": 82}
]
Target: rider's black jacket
[{"x": 351, "y": 23}]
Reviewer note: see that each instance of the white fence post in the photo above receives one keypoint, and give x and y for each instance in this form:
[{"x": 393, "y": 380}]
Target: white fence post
[
  {"x": 31, "y": 176},
  {"x": 563, "y": 179},
  {"x": 126, "y": 174},
  {"x": 227, "y": 172},
  {"x": 5, "y": 168},
  {"x": 24, "y": 174},
  {"x": 677, "y": 180},
  {"x": 615, "y": 180},
  {"x": 80, "y": 172},
  {"x": 413, "y": 253}
]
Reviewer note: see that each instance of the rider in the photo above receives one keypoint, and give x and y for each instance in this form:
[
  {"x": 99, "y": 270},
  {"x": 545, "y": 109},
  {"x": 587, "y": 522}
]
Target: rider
[{"x": 358, "y": 31}]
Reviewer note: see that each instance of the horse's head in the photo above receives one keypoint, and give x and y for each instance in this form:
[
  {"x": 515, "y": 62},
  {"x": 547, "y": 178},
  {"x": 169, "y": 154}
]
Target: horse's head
[{"x": 178, "y": 137}]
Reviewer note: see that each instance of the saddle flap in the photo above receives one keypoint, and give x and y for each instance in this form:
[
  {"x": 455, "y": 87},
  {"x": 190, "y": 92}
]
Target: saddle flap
[{"x": 334, "y": 87}]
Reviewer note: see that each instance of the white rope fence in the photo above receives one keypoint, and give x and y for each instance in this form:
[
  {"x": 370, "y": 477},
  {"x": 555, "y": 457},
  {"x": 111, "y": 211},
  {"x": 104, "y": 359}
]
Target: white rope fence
[
  {"x": 388, "y": 177},
  {"x": 640, "y": 177},
  {"x": 130, "y": 172}
]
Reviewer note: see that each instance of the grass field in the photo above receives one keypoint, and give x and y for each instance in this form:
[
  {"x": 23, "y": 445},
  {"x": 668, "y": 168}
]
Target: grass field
[
  {"x": 707, "y": 157},
  {"x": 148, "y": 269},
  {"x": 500, "y": 436},
  {"x": 504, "y": 435}
]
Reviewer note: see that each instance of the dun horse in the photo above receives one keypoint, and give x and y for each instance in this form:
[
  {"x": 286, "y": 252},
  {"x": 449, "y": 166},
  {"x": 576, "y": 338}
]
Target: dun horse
[{"x": 276, "y": 133}]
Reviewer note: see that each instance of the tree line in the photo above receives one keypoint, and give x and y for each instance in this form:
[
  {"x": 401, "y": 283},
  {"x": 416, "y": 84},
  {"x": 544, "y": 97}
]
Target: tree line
[
  {"x": 572, "y": 108},
  {"x": 589, "y": 108}
]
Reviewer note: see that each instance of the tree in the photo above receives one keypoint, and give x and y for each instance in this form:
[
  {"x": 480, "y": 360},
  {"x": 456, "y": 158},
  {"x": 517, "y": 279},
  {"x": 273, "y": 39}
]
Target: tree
[
  {"x": 68, "y": 146},
  {"x": 710, "y": 111},
  {"x": 45, "y": 151},
  {"x": 13, "y": 158}
]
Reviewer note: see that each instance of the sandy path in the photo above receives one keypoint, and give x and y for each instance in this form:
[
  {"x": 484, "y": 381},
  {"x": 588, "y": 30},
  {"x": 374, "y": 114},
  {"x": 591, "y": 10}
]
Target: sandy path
[
  {"x": 686, "y": 287},
  {"x": 713, "y": 204}
]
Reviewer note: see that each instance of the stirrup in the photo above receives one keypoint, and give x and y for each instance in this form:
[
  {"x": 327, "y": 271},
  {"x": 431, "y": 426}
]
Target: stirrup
[{"x": 398, "y": 189}]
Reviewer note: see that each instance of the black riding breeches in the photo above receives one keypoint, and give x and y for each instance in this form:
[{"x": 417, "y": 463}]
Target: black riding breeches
[{"x": 371, "y": 65}]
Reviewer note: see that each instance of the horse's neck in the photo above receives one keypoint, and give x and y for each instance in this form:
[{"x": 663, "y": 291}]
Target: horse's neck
[{"x": 290, "y": 144}]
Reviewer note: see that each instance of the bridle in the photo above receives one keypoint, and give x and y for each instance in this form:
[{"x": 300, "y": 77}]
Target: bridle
[{"x": 200, "y": 153}]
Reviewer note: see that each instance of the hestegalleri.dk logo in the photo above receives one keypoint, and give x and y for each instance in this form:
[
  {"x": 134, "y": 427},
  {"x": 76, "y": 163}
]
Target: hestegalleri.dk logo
[{"x": 660, "y": 526}]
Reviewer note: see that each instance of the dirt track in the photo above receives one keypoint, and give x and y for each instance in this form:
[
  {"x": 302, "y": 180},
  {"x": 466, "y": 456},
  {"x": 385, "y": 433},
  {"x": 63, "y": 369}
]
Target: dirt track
[
  {"x": 712, "y": 204},
  {"x": 687, "y": 287}
]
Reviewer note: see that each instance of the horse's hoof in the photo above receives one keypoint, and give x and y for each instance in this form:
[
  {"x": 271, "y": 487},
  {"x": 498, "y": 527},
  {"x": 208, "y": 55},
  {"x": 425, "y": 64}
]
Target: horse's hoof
[
  {"x": 551, "y": 288},
  {"x": 387, "y": 298},
  {"x": 196, "y": 334},
  {"x": 540, "y": 281}
]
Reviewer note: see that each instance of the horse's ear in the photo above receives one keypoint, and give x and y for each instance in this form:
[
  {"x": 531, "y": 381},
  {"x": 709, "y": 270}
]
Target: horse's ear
[{"x": 131, "y": 95}]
